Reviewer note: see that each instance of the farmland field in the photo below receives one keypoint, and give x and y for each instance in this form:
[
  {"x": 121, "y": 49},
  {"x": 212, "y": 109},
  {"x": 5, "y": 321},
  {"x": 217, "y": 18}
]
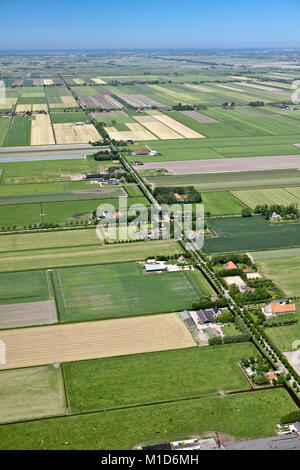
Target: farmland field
[
  {"x": 19, "y": 287},
  {"x": 31, "y": 393},
  {"x": 257, "y": 197},
  {"x": 232, "y": 180},
  {"x": 285, "y": 271},
  {"x": 58, "y": 118},
  {"x": 221, "y": 203},
  {"x": 91, "y": 385},
  {"x": 89, "y": 340},
  {"x": 35, "y": 241},
  {"x": 250, "y": 233},
  {"x": 83, "y": 255},
  {"x": 4, "y": 126},
  {"x": 119, "y": 290},
  {"x": 47, "y": 171},
  {"x": 19, "y": 132},
  {"x": 250, "y": 415}
]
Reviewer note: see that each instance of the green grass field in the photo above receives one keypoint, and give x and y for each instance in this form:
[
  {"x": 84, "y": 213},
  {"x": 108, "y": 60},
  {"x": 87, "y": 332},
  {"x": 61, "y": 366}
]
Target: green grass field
[
  {"x": 58, "y": 118},
  {"x": 60, "y": 211},
  {"x": 221, "y": 203},
  {"x": 202, "y": 283},
  {"x": 19, "y": 287},
  {"x": 246, "y": 416},
  {"x": 36, "y": 241},
  {"x": 54, "y": 257},
  {"x": 250, "y": 233},
  {"x": 284, "y": 336},
  {"x": 148, "y": 378},
  {"x": 119, "y": 290},
  {"x": 20, "y": 215},
  {"x": 284, "y": 271},
  {"x": 31, "y": 393},
  {"x": 19, "y": 132},
  {"x": 4, "y": 126}
]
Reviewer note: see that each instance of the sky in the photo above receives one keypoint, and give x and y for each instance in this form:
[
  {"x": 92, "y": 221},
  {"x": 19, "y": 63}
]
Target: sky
[{"x": 92, "y": 24}]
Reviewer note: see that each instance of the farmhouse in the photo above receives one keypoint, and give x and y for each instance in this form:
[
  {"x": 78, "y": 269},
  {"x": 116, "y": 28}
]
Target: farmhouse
[
  {"x": 230, "y": 265},
  {"x": 278, "y": 307},
  {"x": 275, "y": 216}
]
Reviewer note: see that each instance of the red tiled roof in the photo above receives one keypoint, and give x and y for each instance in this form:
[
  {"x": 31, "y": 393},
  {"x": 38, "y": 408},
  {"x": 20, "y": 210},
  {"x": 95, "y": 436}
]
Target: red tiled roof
[{"x": 287, "y": 308}]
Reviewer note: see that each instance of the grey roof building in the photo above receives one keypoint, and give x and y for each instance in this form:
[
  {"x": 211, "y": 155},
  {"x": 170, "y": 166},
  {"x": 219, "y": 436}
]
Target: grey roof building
[{"x": 206, "y": 316}]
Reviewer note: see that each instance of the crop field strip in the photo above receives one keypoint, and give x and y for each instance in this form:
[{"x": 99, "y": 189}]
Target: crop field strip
[
  {"x": 82, "y": 254},
  {"x": 89, "y": 340}
]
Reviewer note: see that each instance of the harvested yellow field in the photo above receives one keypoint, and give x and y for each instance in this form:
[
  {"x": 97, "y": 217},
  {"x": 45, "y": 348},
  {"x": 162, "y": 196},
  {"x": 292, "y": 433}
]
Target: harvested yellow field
[
  {"x": 161, "y": 131},
  {"x": 140, "y": 132},
  {"x": 136, "y": 132},
  {"x": 23, "y": 108},
  {"x": 48, "y": 81},
  {"x": 99, "y": 81},
  {"x": 178, "y": 127},
  {"x": 56, "y": 105},
  {"x": 200, "y": 88},
  {"x": 39, "y": 107},
  {"x": 94, "y": 339},
  {"x": 69, "y": 101},
  {"x": 229, "y": 88},
  {"x": 41, "y": 130},
  {"x": 78, "y": 81},
  {"x": 69, "y": 133}
]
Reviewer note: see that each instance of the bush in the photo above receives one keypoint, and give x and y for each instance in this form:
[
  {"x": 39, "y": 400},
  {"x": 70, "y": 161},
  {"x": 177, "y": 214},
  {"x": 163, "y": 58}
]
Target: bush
[{"x": 215, "y": 340}]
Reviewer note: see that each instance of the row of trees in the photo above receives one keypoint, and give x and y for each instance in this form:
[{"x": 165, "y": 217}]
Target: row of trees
[{"x": 286, "y": 212}]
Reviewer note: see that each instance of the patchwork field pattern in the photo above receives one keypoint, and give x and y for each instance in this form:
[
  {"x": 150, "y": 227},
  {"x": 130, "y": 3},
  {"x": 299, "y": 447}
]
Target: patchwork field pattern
[{"x": 90, "y": 340}]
